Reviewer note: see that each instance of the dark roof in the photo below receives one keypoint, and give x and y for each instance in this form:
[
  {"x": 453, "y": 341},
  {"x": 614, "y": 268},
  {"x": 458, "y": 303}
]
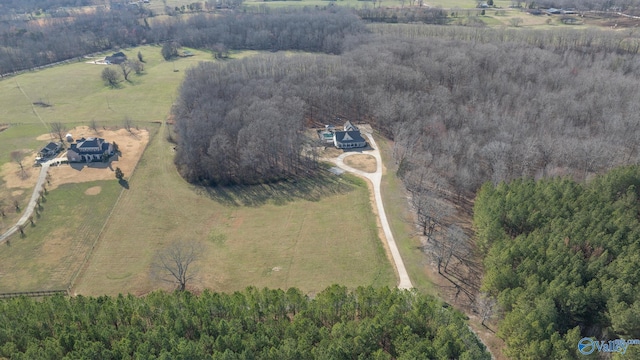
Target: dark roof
[
  {"x": 346, "y": 137},
  {"x": 51, "y": 146},
  {"x": 116, "y": 58},
  {"x": 85, "y": 146}
]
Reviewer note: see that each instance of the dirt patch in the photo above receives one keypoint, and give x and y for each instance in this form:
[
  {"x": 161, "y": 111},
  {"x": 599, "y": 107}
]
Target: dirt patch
[
  {"x": 131, "y": 146},
  {"x": 95, "y": 190},
  {"x": 3, "y": 127},
  {"x": 16, "y": 178},
  {"x": 46, "y": 137},
  {"x": 364, "y": 162}
]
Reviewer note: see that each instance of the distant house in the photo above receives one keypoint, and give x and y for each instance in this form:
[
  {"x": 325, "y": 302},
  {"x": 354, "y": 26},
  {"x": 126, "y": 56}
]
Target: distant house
[
  {"x": 348, "y": 126},
  {"x": 117, "y": 58},
  {"x": 50, "y": 150},
  {"x": 91, "y": 149},
  {"x": 348, "y": 139}
]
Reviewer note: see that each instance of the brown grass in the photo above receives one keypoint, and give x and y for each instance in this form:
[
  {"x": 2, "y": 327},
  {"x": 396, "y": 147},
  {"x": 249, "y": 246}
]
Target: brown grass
[
  {"x": 95, "y": 190},
  {"x": 131, "y": 147},
  {"x": 364, "y": 162},
  {"x": 281, "y": 239}
]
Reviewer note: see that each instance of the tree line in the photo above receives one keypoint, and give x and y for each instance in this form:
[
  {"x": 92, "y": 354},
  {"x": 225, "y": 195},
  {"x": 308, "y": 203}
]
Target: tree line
[
  {"x": 266, "y": 324},
  {"x": 562, "y": 259},
  {"x": 26, "y": 45}
]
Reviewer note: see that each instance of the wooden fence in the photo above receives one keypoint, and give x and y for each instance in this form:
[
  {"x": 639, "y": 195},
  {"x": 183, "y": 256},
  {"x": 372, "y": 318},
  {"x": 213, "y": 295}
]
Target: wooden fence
[{"x": 33, "y": 293}]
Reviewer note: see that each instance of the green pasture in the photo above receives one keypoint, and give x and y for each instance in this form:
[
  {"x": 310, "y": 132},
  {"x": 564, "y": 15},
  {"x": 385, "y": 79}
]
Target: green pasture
[
  {"x": 308, "y": 234},
  {"x": 76, "y": 93},
  {"x": 65, "y": 227}
]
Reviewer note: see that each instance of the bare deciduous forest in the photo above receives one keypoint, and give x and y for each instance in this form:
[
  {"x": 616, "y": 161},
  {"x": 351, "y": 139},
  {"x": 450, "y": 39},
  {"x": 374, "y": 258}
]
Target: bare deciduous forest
[{"x": 461, "y": 111}]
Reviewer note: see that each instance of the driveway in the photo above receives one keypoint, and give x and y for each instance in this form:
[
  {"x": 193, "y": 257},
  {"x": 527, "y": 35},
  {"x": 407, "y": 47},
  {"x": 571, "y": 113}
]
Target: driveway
[
  {"x": 28, "y": 210},
  {"x": 376, "y": 179}
]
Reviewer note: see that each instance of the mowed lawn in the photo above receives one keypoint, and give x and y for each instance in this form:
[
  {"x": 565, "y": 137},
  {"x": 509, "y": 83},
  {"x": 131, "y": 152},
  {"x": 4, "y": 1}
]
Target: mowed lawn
[
  {"x": 282, "y": 240},
  {"x": 21, "y": 137},
  {"x": 306, "y": 234},
  {"x": 78, "y": 95},
  {"x": 53, "y": 248}
]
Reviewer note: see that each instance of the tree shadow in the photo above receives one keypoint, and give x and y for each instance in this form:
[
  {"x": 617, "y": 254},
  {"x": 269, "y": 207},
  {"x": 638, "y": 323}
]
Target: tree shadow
[
  {"x": 311, "y": 187},
  {"x": 124, "y": 183}
]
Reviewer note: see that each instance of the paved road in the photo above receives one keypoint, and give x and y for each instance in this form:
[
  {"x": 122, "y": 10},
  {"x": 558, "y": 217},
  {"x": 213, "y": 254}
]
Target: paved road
[
  {"x": 28, "y": 210},
  {"x": 376, "y": 179}
]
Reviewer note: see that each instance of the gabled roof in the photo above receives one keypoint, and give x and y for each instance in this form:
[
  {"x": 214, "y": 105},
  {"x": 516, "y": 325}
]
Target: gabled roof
[
  {"x": 88, "y": 146},
  {"x": 89, "y": 143},
  {"x": 349, "y": 137},
  {"x": 348, "y": 126},
  {"x": 51, "y": 147}
]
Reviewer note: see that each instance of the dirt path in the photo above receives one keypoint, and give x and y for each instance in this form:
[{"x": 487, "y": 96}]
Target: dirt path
[{"x": 376, "y": 179}]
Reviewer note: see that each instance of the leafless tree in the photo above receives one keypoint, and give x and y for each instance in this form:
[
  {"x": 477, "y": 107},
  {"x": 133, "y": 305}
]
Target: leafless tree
[
  {"x": 58, "y": 129},
  {"x": 128, "y": 123},
  {"x": 430, "y": 212},
  {"x": 110, "y": 77},
  {"x": 16, "y": 205},
  {"x": 486, "y": 307},
  {"x": 137, "y": 66},
  {"x": 455, "y": 242},
  {"x": 93, "y": 125},
  {"x": 18, "y": 156},
  {"x": 126, "y": 69},
  {"x": 175, "y": 264}
]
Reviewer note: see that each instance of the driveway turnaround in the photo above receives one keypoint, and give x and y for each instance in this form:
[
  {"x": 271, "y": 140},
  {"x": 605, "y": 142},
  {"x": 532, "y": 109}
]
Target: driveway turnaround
[{"x": 376, "y": 179}]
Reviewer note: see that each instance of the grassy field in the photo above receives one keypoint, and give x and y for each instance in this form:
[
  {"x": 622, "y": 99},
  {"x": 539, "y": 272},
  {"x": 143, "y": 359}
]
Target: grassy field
[
  {"x": 77, "y": 94},
  {"x": 52, "y": 249},
  {"x": 307, "y": 235}
]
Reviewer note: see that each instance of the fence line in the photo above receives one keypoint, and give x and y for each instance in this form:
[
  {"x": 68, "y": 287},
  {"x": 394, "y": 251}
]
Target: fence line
[{"x": 40, "y": 293}]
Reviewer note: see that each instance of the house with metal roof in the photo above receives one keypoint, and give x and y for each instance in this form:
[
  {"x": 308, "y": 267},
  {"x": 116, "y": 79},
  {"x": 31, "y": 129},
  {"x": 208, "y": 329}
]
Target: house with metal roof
[
  {"x": 51, "y": 149},
  {"x": 348, "y": 139},
  {"x": 88, "y": 150}
]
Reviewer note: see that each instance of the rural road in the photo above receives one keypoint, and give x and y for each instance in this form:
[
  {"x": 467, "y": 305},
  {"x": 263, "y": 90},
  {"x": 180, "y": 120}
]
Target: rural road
[
  {"x": 376, "y": 179},
  {"x": 28, "y": 210}
]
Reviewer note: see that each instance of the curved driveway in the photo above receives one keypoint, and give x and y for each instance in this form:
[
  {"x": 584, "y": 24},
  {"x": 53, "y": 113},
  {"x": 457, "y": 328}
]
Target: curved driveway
[
  {"x": 376, "y": 179},
  {"x": 28, "y": 210}
]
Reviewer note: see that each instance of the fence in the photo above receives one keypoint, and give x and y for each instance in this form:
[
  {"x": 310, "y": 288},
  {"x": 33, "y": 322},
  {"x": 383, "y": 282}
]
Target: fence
[{"x": 33, "y": 293}]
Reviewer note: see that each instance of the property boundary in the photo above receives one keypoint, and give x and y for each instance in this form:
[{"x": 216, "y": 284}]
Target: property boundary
[{"x": 40, "y": 293}]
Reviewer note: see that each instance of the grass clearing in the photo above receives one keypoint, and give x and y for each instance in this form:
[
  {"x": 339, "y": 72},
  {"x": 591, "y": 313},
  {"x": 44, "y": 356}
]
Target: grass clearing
[
  {"x": 307, "y": 235},
  {"x": 78, "y": 95},
  {"x": 52, "y": 250},
  {"x": 364, "y": 162}
]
